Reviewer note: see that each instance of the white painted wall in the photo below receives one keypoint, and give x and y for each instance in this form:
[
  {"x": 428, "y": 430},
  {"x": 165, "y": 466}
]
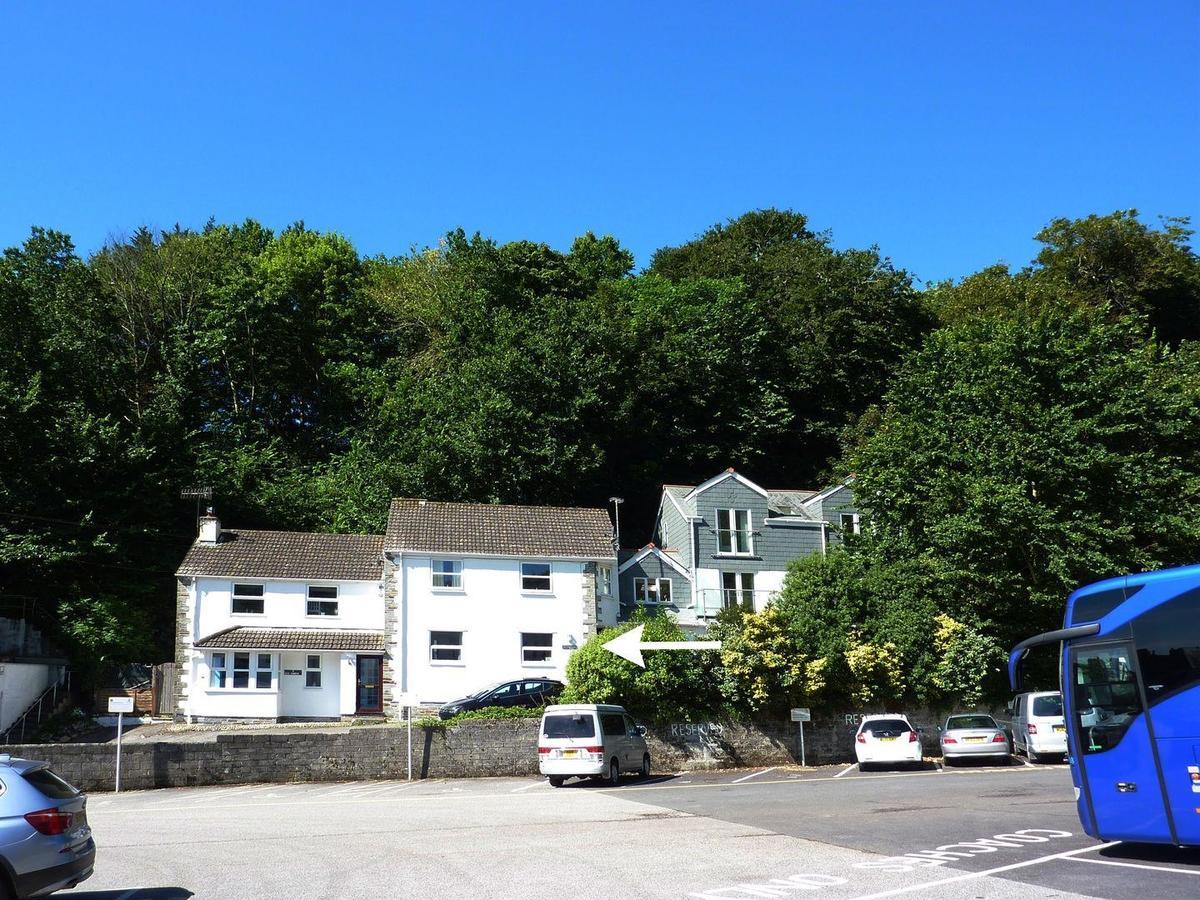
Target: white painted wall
[
  {"x": 492, "y": 611},
  {"x": 21, "y": 684},
  {"x": 360, "y": 605},
  {"x": 766, "y": 581}
]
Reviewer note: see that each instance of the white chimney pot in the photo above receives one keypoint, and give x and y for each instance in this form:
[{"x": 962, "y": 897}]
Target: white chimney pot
[{"x": 210, "y": 529}]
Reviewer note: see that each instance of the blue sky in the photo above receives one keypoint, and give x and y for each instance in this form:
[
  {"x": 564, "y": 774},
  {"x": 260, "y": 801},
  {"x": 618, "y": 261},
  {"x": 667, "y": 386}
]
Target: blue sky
[{"x": 946, "y": 133}]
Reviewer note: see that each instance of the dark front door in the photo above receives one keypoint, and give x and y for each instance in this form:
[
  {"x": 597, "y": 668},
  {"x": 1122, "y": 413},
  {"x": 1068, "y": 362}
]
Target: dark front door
[{"x": 369, "y": 684}]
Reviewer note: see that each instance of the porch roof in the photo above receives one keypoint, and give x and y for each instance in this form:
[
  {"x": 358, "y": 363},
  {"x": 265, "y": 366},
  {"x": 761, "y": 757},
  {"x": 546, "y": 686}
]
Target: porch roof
[{"x": 242, "y": 638}]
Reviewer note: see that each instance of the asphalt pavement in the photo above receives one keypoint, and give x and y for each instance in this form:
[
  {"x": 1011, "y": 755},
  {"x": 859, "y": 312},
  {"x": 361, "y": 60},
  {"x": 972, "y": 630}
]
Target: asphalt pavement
[{"x": 830, "y": 832}]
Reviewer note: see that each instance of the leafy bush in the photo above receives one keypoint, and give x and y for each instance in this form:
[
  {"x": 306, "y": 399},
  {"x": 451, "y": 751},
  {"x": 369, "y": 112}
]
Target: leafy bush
[
  {"x": 763, "y": 669},
  {"x": 488, "y": 712},
  {"x": 967, "y": 660},
  {"x": 672, "y": 686}
]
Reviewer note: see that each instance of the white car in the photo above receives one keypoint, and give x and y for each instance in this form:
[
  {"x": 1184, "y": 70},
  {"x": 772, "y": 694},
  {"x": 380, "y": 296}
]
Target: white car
[{"x": 887, "y": 739}]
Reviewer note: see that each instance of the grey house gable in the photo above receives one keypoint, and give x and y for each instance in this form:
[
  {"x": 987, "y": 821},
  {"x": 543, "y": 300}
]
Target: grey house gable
[{"x": 652, "y": 562}]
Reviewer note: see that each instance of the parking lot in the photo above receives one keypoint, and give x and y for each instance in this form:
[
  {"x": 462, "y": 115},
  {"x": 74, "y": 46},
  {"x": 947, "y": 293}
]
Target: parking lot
[{"x": 828, "y": 832}]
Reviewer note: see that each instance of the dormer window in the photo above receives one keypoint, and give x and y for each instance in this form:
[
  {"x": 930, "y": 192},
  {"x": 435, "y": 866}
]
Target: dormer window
[{"x": 733, "y": 532}]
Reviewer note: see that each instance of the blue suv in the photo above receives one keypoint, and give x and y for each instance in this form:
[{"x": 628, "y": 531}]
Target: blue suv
[{"x": 45, "y": 842}]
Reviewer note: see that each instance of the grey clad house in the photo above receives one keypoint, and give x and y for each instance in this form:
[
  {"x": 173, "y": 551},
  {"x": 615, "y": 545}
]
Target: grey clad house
[{"x": 728, "y": 542}]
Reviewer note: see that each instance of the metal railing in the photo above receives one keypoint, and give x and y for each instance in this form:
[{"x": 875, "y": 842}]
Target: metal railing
[
  {"x": 39, "y": 710},
  {"x": 707, "y": 602}
]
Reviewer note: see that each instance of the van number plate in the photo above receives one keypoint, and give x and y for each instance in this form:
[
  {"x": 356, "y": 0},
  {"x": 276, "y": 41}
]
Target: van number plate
[{"x": 570, "y": 754}]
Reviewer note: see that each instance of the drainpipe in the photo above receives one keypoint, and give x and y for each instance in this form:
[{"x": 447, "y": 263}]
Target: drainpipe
[{"x": 824, "y": 540}]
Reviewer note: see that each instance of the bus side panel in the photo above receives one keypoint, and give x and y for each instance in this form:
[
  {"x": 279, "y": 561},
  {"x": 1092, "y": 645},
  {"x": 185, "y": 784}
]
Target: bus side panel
[
  {"x": 1177, "y": 727},
  {"x": 1125, "y": 791}
]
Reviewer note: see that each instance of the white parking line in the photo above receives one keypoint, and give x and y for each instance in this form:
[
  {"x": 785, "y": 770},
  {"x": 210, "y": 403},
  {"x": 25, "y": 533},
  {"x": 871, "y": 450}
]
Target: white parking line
[
  {"x": 847, "y": 770},
  {"x": 390, "y": 786},
  {"x": 527, "y": 787},
  {"x": 753, "y": 775},
  {"x": 971, "y": 876},
  {"x": 1128, "y": 865}
]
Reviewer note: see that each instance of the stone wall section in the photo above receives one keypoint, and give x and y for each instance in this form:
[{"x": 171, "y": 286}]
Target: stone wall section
[
  {"x": 183, "y": 643},
  {"x": 471, "y": 749},
  {"x": 590, "y": 610},
  {"x": 393, "y": 636}
]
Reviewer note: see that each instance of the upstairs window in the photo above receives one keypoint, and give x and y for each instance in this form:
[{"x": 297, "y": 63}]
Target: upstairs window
[
  {"x": 247, "y": 599},
  {"x": 652, "y": 590},
  {"x": 445, "y": 646},
  {"x": 733, "y": 531},
  {"x": 322, "y": 600},
  {"x": 535, "y": 577},
  {"x": 536, "y": 648},
  {"x": 447, "y": 574},
  {"x": 604, "y": 580},
  {"x": 851, "y": 523}
]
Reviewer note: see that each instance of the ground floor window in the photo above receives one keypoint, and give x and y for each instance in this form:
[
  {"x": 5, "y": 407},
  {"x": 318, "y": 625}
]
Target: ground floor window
[
  {"x": 248, "y": 670},
  {"x": 536, "y": 647},
  {"x": 445, "y": 646},
  {"x": 312, "y": 671}
]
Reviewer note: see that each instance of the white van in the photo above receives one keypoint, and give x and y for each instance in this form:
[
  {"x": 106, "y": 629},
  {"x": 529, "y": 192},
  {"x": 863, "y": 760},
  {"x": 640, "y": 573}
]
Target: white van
[
  {"x": 1038, "y": 727},
  {"x": 586, "y": 740}
]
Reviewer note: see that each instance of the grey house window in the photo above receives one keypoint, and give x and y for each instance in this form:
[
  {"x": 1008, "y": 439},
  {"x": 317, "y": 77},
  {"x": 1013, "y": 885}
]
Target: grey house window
[
  {"x": 322, "y": 600},
  {"x": 535, "y": 577},
  {"x": 851, "y": 524},
  {"x": 737, "y": 588},
  {"x": 733, "y": 531},
  {"x": 247, "y": 599},
  {"x": 652, "y": 590}
]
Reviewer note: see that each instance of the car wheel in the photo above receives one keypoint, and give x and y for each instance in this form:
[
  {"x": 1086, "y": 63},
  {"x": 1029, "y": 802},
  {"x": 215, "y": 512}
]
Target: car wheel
[
  {"x": 645, "y": 770},
  {"x": 556, "y": 780},
  {"x": 6, "y": 893},
  {"x": 614, "y": 773},
  {"x": 947, "y": 762},
  {"x": 864, "y": 767}
]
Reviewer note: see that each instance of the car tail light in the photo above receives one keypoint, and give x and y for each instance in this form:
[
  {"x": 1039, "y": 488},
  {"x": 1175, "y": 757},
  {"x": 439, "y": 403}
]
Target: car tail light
[
  {"x": 861, "y": 737},
  {"x": 50, "y": 821},
  {"x": 949, "y": 740},
  {"x": 912, "y": 737},
  {"x": 999, "y": 739},
  {"x": 543, "y": 749},
  {"x": 1031, "y": 728},
  {"x": 593, "y": 749}
]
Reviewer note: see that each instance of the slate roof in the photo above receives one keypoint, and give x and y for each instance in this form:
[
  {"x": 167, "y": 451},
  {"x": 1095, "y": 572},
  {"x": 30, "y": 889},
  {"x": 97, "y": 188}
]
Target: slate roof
[
  {"x": 430, "y": 526},
  {"x": 244, "y": 553},
  {"x": 243, "y": 638}
]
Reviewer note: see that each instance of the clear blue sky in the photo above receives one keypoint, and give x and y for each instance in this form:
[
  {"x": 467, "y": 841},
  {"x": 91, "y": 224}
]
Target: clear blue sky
[{"x": 947, "y": 133}]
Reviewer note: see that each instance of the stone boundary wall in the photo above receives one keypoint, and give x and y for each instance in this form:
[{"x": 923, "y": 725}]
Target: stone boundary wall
[{"x": 472, "y": 749}]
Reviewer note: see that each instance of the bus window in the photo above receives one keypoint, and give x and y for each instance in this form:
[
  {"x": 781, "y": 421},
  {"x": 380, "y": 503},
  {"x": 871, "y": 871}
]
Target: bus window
[
  {"x": 1106, "y": 695},
  {"x": 1168, "y": 642}
]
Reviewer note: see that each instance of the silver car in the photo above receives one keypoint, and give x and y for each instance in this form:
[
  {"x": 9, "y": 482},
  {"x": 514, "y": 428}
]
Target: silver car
[
  {"x": 45, "y": 842},
  {"x": 973, "y": 736}
]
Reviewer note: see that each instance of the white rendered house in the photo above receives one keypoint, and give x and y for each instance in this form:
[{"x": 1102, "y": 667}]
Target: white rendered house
[{"x": 456, "y": 596}]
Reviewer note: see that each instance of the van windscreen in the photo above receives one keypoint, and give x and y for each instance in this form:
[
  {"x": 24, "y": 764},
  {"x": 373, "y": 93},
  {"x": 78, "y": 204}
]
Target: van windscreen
[
  {"x": 1050, "y": 705},
  {"x": 569, "y": 725}
]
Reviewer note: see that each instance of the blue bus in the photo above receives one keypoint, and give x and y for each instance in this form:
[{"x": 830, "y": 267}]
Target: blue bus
[{"x": 1130, "y": 675}]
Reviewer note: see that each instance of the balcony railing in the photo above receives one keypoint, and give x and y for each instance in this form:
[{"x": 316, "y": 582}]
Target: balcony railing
[{"x": 707, "y": 602}]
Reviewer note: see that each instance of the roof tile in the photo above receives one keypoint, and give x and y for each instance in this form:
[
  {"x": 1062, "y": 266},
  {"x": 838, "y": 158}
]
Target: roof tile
[
  {"x": 243, "y": 553},
  {"x": 242, "y": 638}
]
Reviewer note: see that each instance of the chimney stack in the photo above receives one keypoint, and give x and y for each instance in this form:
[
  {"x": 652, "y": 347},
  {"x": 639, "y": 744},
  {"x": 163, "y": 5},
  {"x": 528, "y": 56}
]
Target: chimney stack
[{"x": 210, "y": 527}]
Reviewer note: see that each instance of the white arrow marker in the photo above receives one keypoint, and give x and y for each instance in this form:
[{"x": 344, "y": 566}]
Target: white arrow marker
[{"x": 630, "y": 645}]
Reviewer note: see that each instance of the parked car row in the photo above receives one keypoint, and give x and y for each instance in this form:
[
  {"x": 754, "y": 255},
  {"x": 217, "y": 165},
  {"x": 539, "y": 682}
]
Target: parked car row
[
  {"x": 1036, "y": 729},
  {"x": 527, "y": 692}
]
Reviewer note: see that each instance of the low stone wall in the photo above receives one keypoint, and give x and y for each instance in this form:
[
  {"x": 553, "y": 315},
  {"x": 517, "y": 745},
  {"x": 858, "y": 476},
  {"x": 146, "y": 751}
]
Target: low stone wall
[{"x": 471, "y": 749}]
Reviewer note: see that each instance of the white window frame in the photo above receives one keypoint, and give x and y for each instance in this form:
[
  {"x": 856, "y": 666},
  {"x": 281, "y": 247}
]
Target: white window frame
[
  {"x": 855, "y": 526},
  {"x": 310, "y": 669},
  {"x": 642, "y": 592},
  {"x": 548, "y": 649},
  {"x": 732, "y": 532},
  {"x": 214, "y": 669},
  {"x": 309, "y": 599},
  {"x": 253, "y": 669},
  {"x": 604, "y": 580},
  {"x": 234, "y": 597},
  {"x": 549, "y": 576},
  {"x": 739, "y": 590},
  {"x": 456, "y": 575},
  {"x": 459, "y": 647}
]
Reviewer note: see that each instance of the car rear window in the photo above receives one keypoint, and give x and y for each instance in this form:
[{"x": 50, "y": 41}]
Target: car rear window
[
  {"x": 1047, "y": 706},
  {"x": 970, "y": 722},
  {"x": 891, "y": 726},
  {"x": 578, "y": 725},
  {"x": 50, "y": 784}
]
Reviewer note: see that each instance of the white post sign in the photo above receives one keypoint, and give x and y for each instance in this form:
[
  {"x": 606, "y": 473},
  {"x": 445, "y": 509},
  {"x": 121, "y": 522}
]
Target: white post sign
[
  {"x": 408, "y": 701},
  {"x": 120, "y": 706},
  {"x": 801, "y": 715}
]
